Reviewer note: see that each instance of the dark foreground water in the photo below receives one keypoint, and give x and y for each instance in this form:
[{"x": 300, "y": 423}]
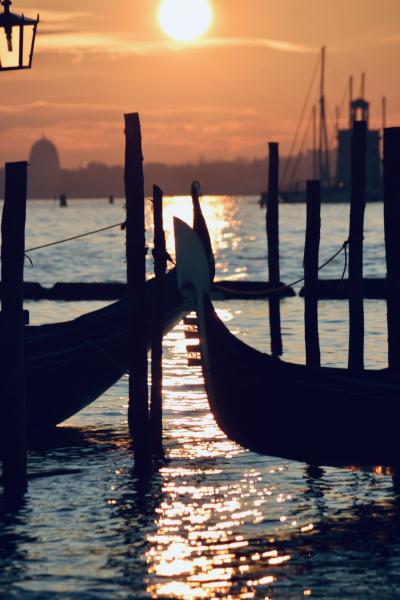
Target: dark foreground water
[{"x": 216, "y": 521}]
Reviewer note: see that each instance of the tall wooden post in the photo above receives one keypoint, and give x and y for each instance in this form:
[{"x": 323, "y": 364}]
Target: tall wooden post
[
  {"x": 160, "y": 267},
  {"x": 14, "y": 441},
  {"x": 391, "y": 196},
  {"x": 273, "y": 213},
  {"x": 138, "y": 411},
  {"x": 356, "y": 235},
  {"x": 311, "y": 255},
  {"x": 272, "y": 226}
]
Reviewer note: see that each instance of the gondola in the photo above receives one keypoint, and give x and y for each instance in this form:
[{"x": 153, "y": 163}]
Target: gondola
[
  {"x": 323, "y": 416},
  {"x": 70, "y": 364}
]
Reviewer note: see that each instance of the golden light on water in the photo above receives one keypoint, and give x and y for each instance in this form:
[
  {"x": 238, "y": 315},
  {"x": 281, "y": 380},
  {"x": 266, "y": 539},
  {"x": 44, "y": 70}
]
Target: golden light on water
[
  {"x": 221, "y": 217},
  {"x": 185, "y": 20},
  {"x": 227, "y": 524},
  {"x": 196, "y": 549}
]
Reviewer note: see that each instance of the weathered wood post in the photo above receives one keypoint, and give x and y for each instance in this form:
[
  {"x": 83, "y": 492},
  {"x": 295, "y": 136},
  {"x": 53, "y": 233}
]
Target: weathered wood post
[
  {"x": 391, "y": 196},
  {"x": 272, "y": 227},
  {"x": 311, "y": 256},
  {"x": 14, "y": 442},
  {"x": 356, "y": 236},
  {"x": 138, "y": 411},
  {"x": 160, "y": 267}
]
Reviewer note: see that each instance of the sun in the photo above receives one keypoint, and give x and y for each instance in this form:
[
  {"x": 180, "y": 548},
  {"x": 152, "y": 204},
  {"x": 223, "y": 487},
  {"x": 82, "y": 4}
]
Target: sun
[{"x": 185, "y": 20}]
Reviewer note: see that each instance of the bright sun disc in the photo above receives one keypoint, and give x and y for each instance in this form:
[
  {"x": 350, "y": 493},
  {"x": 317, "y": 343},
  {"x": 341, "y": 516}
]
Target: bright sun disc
[{"x": 185, "y": 20}]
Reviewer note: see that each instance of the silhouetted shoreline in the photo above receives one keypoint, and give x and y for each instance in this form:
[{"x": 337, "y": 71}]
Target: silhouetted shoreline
[{"x": 97, "y": 180}]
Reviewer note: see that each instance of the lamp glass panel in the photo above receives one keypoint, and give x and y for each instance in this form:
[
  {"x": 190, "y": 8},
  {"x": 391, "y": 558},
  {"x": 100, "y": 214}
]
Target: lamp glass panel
[
  {"x": 9, "y": 56},
  {"x": 28, "y": 37}
]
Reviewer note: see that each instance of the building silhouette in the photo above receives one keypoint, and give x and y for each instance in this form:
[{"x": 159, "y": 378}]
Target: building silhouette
[
  {"x": 359, "y": 110},
  {"x": 48, "y": 180},
  {"x": 45, "y": 170}
]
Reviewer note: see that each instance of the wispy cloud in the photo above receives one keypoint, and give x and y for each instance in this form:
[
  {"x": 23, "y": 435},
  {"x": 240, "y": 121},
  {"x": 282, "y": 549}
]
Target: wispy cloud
[
  {"x": 281, "y": 45},
  {"x": 57, "y": 22},
  {"x": 56, "y": 16},
  {"x": 112, "y": 44},
  {"x": 53, "y": 112},
  {"x": 44, "y": 105}
]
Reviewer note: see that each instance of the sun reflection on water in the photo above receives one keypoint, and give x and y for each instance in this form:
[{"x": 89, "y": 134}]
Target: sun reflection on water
[
  {"x": 197, "y": 549},
  {"x": 220, "y": 213},
  {"x": 227, "y": 529},
  {"x": 215, "y": 521}
]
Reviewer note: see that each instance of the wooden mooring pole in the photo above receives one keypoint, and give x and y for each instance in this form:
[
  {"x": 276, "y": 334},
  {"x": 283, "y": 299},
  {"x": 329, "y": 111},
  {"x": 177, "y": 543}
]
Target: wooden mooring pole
[
  {"x": 138, "y": 411},
  {"x": 272, "y": 227},
  {"x": 356, "y": 236},
  {"x": 311, "y": 257},
  {"x": 391, "y": 196},
  {"x": 160, "y": 267},
  {"x": 14, "y": 442}
]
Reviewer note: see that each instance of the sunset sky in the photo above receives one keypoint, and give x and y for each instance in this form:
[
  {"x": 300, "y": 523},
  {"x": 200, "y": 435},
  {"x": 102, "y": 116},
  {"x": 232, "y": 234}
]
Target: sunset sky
[{"x": 223, "y": 96}]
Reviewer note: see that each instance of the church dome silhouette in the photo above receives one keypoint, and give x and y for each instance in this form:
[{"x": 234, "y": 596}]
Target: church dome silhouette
[
  {"x": 44, "y": 152},
  {"x": 44, "y": 171}
]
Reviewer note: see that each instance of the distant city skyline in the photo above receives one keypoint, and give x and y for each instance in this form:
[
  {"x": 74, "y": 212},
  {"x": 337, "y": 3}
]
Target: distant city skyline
[{"x": 48, "y": 178}]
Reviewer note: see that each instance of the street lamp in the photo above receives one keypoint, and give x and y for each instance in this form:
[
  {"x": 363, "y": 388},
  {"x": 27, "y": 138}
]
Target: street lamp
[{"x": 17, "y": 39}]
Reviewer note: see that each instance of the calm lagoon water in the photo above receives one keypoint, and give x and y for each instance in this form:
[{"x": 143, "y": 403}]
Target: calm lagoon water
[{"x": 216, "y": 521}]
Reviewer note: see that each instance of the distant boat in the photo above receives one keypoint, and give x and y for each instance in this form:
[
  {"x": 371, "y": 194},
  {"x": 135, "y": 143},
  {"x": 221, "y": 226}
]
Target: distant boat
[
  {"x": 337, "y": 188},
  {"x": 324, "y": 416}
]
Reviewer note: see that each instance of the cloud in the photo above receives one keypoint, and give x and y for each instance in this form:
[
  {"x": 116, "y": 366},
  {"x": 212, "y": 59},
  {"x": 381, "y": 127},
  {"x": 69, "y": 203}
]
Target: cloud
[
  {"x": 75, "y": 41},
  {"x": 171, "y": 134},
  {"x": 57, "y": 16},
  {"x": 57, "y": 22},
  {"x": 113, "y": 44},
  {"x": 43, "y": 115},
  {"x": 281, "y": 45}
]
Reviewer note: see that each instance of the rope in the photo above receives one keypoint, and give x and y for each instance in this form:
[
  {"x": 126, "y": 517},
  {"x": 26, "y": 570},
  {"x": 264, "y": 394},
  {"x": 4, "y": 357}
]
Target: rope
[
  {"x": 162, "y": 255},
  {"x": 76, "y": 237},
  {"x": 300, "y": 152},
  {"x": 345, "y": 261},
  {"x": 300, "y": 122},
  {"x": 104, "y": 353},
  {"x": 221, "y": 288},
  {"x": 29, "y": 258},
  {"x": 289, "y": 285}
]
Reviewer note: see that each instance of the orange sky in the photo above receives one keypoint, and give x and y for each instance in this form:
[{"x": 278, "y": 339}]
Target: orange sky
[{"x": 223, "y": 97}]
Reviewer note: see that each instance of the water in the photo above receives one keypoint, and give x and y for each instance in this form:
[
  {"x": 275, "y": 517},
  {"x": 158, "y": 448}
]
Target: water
[{"x": 216, "y": 521}]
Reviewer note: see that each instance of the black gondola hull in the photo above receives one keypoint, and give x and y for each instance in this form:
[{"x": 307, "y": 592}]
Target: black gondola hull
[
  {"x": 322, "y": 416},
  {"x": 69, "y": 365}
]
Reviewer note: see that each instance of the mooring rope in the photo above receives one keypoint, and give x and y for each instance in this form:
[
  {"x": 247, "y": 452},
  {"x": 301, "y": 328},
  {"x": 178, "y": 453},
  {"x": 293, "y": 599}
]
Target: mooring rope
[
  {"x": 76, "y": 237},
  {"x": 345, "y": 259},
  {"x": 217, "y": 287},
  {"x": 264, "y": 293}
]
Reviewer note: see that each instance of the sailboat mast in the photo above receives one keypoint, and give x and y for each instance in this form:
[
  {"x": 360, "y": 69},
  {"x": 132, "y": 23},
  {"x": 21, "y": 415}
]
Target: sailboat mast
[{"x": 323, "y": 152}]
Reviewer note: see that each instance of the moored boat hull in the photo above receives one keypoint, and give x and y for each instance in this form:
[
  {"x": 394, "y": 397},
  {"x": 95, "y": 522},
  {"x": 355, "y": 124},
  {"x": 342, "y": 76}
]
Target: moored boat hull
[
  {"x": 69, "y": 365},
  {"x": 322, "y": 416}
]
